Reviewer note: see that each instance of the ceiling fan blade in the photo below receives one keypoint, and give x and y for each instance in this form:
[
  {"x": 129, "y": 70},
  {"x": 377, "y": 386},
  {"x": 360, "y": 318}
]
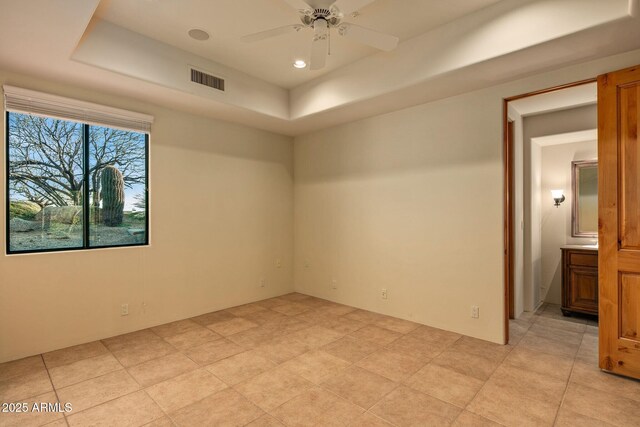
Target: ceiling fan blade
[
  {"x": 275, "y": 32},
  {"x": 299, "y": 4},
  {"x": 369, "y": 37},
  {"x": 320, "y": 45},
  {"x": 347, "y": 7}
]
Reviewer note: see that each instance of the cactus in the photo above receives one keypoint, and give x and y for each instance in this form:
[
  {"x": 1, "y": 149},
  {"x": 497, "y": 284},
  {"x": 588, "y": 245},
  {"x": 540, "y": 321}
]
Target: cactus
[{"x": 112, "y": 184}]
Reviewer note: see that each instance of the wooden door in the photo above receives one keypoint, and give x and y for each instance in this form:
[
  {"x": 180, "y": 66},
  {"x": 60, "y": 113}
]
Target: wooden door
[{"x": 619, "y": 221}]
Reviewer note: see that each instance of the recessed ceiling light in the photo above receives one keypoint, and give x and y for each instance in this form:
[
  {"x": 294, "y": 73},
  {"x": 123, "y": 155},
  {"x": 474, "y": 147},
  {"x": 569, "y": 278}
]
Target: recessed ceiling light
[
  {"x": 197, "y": 34},
  {"x": 300, "y": 63}
]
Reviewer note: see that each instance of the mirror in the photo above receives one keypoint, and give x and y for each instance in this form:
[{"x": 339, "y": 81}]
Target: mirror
[{"x": 585, "y": 199}]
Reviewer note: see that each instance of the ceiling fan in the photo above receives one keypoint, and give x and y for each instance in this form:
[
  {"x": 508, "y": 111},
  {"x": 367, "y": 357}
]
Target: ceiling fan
[{"x": 323, "y": 15}]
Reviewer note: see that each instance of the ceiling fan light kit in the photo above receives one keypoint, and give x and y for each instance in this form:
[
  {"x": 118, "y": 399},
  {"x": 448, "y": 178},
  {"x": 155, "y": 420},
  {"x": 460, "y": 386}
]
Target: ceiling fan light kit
[{"x": 323, "y": 15}]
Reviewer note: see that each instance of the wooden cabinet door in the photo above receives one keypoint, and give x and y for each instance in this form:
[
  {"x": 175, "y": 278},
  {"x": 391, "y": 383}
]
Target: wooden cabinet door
[
  {"x": 583, "y": 292},
  {"x": 619, "y": 221}
]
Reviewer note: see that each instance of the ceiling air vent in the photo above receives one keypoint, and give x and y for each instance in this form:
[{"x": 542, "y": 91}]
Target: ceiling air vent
[{"x": 207, "y": 79}]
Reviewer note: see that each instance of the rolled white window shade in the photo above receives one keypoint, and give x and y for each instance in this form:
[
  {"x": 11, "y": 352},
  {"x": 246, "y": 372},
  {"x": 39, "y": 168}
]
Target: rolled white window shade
[{"x": 27, "y": 101}]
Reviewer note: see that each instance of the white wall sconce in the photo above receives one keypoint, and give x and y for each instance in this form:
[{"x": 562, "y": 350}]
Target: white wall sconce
[{"x": 558, "y": 197}]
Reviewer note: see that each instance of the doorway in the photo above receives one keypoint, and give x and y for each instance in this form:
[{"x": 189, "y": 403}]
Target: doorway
[{"x": 554, "y": 121}]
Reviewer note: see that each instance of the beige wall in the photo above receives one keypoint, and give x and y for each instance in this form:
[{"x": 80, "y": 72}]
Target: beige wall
[
  {"x": 411, "y": 202},
  {"x": 221, "y": 214}
]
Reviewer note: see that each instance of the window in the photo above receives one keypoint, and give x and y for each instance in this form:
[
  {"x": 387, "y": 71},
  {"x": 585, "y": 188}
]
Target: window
[{"x": 74, "y": 185}]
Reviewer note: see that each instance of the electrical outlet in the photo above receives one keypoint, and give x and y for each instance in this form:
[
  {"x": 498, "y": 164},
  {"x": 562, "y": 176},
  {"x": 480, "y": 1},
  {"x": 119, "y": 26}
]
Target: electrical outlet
[
  {"x": 262, "y": 282},
  {"x": 278, "y": 263},
  {"x": 124, "y": 310},
  {"x": 334, "y": 284},
  {"x": 384, "y": 294},
  {"x": 475, "y": 311}
]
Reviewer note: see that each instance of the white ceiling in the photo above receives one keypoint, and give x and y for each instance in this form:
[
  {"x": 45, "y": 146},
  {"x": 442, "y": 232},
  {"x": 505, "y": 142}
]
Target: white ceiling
[
  {"x": 271, "y": 60},
  {"x": 572, "y": 97},
  {"x": 446, "y": 50}
]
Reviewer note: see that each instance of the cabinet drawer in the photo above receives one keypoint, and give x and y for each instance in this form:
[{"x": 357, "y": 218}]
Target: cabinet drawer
[{"x": 587, "y": 260}]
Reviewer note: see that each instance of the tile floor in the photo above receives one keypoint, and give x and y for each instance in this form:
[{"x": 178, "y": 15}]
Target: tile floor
[{"x": 296, "y": 360}]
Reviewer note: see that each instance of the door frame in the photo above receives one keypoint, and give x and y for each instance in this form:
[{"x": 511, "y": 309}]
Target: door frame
[{"x": 508, "y": 195}]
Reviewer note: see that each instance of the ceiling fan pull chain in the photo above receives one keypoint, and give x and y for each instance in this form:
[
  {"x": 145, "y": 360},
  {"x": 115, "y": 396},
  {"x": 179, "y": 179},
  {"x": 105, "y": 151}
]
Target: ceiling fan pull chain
[{"x": 329, "y": 44}]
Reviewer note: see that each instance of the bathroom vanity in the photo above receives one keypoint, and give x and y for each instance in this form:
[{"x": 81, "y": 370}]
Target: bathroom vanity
[{"x": 579, "y": 280}]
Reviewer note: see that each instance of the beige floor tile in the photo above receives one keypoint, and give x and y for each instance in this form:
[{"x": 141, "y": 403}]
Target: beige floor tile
[
  {"x": 592, "y": 330},
  {"x": 295, "y": 296},
  {"x": 265, "y": 421},
  {"x": 291, "y": 308},
  {"x": 416, "y": 348},
  {"x": 568, "y": 418},
  {"x": 125, "y": 341},
  {"x": 375, "y": 335},
  {"x": 350, "y": 349},
  {"x": 556, "y": 334},
  {"x": 30, "y": 417},
  {"x": 272, "y": 388},
  {"x": 469, "y": 419},
  {"x": 486, "y": 349},
  {"x": 225, "y": 408},
  {"x": 232, "y": 326},
  {"x": 396, "y": 325},
  {"x": 143, "y": 351},
  {"x": 369, "y": 420},
  {"x": 93, "y": 392},
  {"x": 209, "y": 318},
  {"x": 185, "y": 389},
  {"x": 60, "y": 422},
  {"x": 466, "y": 363},
  {"x": 175, "y": 328},
  {"x": 529, "y": 384},
  {"x": 310, "y": 316},
  {"x": 83, "y": 370},
  {"x": 588, "y": 351},
  {"x": 543, "y": 363},
  {"x": 604, "y": 406},
  {"x": 316, "y": 366},
  {"x": 240, "y": 367},
  {"x": 161, "y": 422},
  {"x": 359, "y": 386},
  {"x": 408, "y": 407},
  {"x": 243, "y": 310},
  {"x": 510, "y": 409},
  {"x": 548, "y": 345},
  {"x": 442, "y": 337},
  {"x": 16, "y": 368},
  {"x": 163, "y": 368},
  {"x": 315, "y": 303},
  {"x": 272, "y": 302},
  {"x": 192, "y": 338},
  {"x": 390, "y": 364},
  {"x": 279, "y": 350},
  {"x": 317, "y": 407},
  {"x": 255, "y": 336},
  {"x": 561, "y": 324},
  {"x": 316, "y": 336},
  {"x": 265, "y": 316},
  {"x": 591, "y": 376},
  {"x": 341, "y": 324},
  {"x": 73, "y": 354},
  {"x": 335, "y": 309},
  {"x": 15, "y": 389},
  {"x": 364, "y": 316},
  {"x": 445, "y": 384},
  {"x": 132, "y": 410},
  {"x": 213, "y": 351}
]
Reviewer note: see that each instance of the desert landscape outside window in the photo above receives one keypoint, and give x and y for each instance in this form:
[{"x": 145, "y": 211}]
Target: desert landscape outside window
[{"x": 72, "y": 185}]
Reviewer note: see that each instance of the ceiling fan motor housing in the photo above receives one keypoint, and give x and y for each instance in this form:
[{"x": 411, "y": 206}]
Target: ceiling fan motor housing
[{"x": 332, "y": 17}]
